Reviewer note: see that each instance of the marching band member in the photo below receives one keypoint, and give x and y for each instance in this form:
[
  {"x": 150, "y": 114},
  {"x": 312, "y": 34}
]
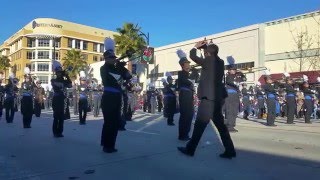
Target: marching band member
[
  {"x": 96, "y": 99},
  {"x": 308, "y": 96},
  {"x": 271, "y": 99},
  {"x": 246, "y": 101},
  {"x": 290, "y": 98},
  {"x": 2, "y": 92},
  {"x": 186, "y": 90},
  {"x": 59, "y": 100},
  {"x": 27, "y": 98},
  {"x": 170, "y": 100},
  {"x": 232, "y": 101},
  {"x": 211, "y": 93},
  {"x": 113, "y": 73},
  {"x": 83, "y": 98},
  {"x": 10, "y": 94},
  {"x": 39, "y": 95},
  {"x": 260, "y": 99},
  {"x": 75, "y": 98}
]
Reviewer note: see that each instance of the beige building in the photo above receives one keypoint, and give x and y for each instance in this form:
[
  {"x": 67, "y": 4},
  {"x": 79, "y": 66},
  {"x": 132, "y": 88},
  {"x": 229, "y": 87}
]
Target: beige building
[
  {"x": 33, "y": 45},
  {"x": 272, "y": 45}
]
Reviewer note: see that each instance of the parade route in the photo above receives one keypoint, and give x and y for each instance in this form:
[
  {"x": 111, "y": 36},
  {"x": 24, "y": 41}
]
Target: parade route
[{"x": 147, "y": 150}]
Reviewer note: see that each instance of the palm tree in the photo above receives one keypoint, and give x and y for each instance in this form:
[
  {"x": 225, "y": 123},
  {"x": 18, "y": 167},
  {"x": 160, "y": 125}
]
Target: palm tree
[
  {"x": 4, "y": 64},
  {"x": 74, "y": 61},
  {"x": 129, "y": 39}
]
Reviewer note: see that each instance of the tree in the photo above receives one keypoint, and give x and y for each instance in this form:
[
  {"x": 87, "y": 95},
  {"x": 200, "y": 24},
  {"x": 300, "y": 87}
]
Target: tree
[
  {"x": 4, "y": 63},
  {"x": 129, "y": 39},
  {"x": 303, "y": 42},
  {"x": 74, "y": 61},
  {"x": 315, "y": 61}
]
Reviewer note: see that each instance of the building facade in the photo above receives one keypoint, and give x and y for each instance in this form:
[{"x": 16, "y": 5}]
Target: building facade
[
  {"x": 276, "y": 46},
  {"x": 44, "y": 39}
]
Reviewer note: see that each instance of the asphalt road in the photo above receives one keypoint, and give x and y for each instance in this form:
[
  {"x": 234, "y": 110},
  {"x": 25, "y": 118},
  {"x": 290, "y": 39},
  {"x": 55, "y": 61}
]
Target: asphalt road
[{"x": 147, "y": 150}]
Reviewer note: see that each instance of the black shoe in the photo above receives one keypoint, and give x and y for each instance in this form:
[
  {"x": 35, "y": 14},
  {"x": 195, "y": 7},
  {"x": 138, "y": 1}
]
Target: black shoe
[
  {"x": 171, "y": 124},
  {"x": 122, "y": 129},
  {"x": 110, "y": 150},
  {"x": 59, "y": 135},
  {"x": 272, "y": 125},
  {"x": 185, "y": 151},
  {"x": 228, "y": 155},
  {"x": 82, "y": 123},
  {"x": 184, "y": 139},
  {"x": 290, "y": 123}
]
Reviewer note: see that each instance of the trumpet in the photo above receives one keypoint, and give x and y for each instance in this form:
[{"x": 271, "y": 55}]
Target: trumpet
[{"x": 202, "y": 44}]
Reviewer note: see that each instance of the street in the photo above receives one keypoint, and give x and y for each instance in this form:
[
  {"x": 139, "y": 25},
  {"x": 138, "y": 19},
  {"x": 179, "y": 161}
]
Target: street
[{"x": 148, "y": 150}]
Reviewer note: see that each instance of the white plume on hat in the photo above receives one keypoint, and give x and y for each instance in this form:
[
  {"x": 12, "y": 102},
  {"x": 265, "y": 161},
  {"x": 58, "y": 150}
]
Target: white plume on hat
[
  {"x": 82, "y": 74},
  {"x": 286, "y": 74},
  {"x": 181, "y": 54},
  {"x": 267, "y": 72},
  {"x": 231, "y": 60},
  {"x": 305, "y": 78},
  {"x": 258, "y": 83},
  {"x": 11, "y": 76},
  {"x": 318, "y": 79},
  {"x": 56, "y": 64},
  {"x": 26, "y": 70},
  {"x": 109, "y": 44}
]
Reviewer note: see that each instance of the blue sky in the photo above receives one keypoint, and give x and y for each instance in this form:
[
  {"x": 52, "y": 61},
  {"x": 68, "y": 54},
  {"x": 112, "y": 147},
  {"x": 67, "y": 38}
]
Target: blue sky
[{"x": 167, "y": 21}]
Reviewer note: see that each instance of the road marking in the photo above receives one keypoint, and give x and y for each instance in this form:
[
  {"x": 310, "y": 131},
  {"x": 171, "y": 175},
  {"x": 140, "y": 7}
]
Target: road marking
[{"x": 150, "y": 124}]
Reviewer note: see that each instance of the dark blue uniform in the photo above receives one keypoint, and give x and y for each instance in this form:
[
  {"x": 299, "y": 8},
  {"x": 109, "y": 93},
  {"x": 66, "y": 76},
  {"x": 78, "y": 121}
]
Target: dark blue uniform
[
  {"x": 271, "y": 103},
  {"x": 27, "y": 105},
  {"x": 112, "y": 78},
  {"x": 186, "y": 90}
]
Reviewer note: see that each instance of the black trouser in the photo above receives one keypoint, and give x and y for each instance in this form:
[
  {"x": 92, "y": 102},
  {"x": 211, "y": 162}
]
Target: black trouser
[
  {"x": 124, "y": 107},
  {"x": 261, "y": 108},
  {"x": 246, "y": 107},
  {"x": 1, "y": 106},
  {"x": 186, "y": 113},
  {"x": 9, "y": 105},
  {"x": 232, "y": 109},
  {"x": 145, "y": 106},
  {"x": 271, "y": 115},
  {"x": 210, "y": 110},
  {"x": 309, "y": 109},
  {"x": 75, "y": 106},
  {"x": 291, "y": 103},
  {"x": 159, "y": 106},
  {"x": 37, "y": 108},
  {"x": 27, "y": 110},
  {"x": 170, "y": 108},
  {"x": 58, "y": 114},
  {"x": 83, "y": 108},
  {"x": 111, "y": 109}
]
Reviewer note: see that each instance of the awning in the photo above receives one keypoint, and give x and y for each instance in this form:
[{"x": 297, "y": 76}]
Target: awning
[{"x": 312, "y": 76}]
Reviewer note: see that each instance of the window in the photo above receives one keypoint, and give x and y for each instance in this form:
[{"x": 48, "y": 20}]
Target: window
[
  {"x": 43, "y": 54},
  {"x": 57, "y": 55},
  {"x": 101, "y": 58},
  {"x": 101, "y": 48},
  {"x": 95, "y": 58},
  {"x": 69, "y": 43},
  {"x": 31, "y": 55},
  {"x": 31, "y": 42},
  {"x": 43, "y": 42},
  {"x": 44, "y": 79},
  {"x": 33, "y": 66},
  {"x": 77, "y": 44},
  {"x": 95, "y": 47},
  {"x": 57, "y": 43},
  {"x": 85, "y": 45},
  {"x": 43, "y": 66},
  {"x": 85, "y": 56}
]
